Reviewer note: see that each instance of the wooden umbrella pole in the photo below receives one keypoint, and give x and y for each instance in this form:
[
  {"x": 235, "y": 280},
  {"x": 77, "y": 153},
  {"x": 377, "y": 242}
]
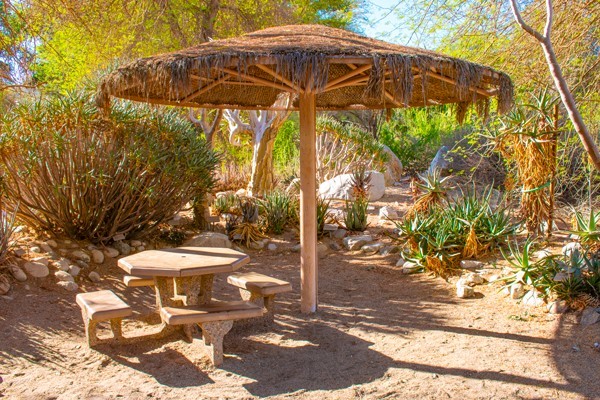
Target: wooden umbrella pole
[{"x": 308, "y": 203}]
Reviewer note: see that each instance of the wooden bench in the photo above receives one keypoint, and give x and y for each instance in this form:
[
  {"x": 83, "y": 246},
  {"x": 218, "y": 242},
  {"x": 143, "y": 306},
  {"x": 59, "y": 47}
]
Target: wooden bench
[
  {"x": 137, "y": 281},
  {"x": 215, "y": 319},
  {"x": 100, "y": 306},
  {"x": 260, "y": 289}
]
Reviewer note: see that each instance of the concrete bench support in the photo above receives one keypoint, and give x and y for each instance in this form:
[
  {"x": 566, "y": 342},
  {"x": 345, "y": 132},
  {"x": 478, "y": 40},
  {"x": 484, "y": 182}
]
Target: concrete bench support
[
  {"x": 215, "y": 320},
  {"x": 101, "y": 306},
  {"x": 260, "y": 290}
]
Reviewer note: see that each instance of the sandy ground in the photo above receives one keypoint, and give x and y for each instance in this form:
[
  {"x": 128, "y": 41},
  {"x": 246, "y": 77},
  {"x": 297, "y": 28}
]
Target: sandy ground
[{"x": 378, "y": 334}]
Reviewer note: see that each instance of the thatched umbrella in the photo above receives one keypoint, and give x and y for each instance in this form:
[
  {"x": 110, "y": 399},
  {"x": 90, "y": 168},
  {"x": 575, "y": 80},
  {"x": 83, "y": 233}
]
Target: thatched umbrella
[{"x": 324, "y": 69}]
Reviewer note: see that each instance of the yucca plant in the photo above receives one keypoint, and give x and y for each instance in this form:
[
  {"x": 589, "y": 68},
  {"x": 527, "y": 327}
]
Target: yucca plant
[{"x": 356, "y": 216}]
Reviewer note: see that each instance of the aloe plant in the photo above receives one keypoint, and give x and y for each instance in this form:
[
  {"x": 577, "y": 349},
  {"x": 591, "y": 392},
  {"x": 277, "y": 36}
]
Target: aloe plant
[{"x": 587, "y": 228}]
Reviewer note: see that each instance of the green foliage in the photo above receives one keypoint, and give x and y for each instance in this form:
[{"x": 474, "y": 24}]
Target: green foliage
[
  {"x": 588, "y": 229},
  {"x": 322, "y": 213},
  {"x": 470, "y": 226},
  {"x": 225, "y": 204},
  {"x": 278, "y": 209},
  {"x": 415, "y": 135},
  {"x": 286, "y": 149},
  {"x": 355, "y": 218},
  {"x": 71, "y": 168}
]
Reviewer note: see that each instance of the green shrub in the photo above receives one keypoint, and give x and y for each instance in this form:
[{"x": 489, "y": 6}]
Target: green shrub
[
  {"x": 415, "y": 135},
  {"x": 72, "y": 169}
]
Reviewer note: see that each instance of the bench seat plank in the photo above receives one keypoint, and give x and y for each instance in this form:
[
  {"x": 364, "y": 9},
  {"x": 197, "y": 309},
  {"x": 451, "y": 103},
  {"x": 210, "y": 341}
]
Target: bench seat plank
[
  {"x": 103, "y": 305},
  {"x": 259, "y": 283},
  {"x": 137, "y": 281},
  {"x": 213, "y": 312}
]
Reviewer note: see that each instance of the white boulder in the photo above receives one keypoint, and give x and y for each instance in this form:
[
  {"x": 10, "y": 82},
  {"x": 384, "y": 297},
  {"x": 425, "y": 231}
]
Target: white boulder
[{"x": 340, "y": 187}]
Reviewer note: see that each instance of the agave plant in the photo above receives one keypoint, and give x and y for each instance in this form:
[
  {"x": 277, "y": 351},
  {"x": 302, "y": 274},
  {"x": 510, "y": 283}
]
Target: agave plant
[
  {"x": 587, "y": 228},
  {"x": 433, "y": 190},
  {"x": 277, "y": 209}
]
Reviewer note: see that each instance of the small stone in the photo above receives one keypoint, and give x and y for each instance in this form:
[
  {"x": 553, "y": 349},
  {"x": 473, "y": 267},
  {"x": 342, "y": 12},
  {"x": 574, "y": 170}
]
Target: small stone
[
  {"x": 371, "y": 248},
  {"x": 322, "y": 250},
  {"x": 237, "y": 248},
  {"x": 400, "y": 262},
  {"x": 37, "y": 270},
  {"x": 257, "y": 245},
  {"x": 17, "y": 273},
  {"x": 335, "y": 246},
  {"x": 558, "y": 307},
  {"x": 63, "y": 252},
  {"x": 272, "y": 247},
  {"x": 541, "y": 254},
  {"x": 473, "y": 280},
  {"x": 97, "y": 256},
  {"x": 297, "y": 248},
  {"x": 590, "y": 316},
  {"x": 64, "y": 276},
  {"x": 387, "y": 250},
  {"x": 46, "y": 248},
  {"x": 82, "y": 264},
  {"x": 570, "y": 248},
  {"x": 140, "y": 248},
  {"x": 111, "y": 252},
  {"x": 387, "y": 212},
  {"x": 35, "y": 249},
  {"x": 80, "y": 255},
  {"x": 532, "y": 299},
  {"x": 471, "y": 264},
  {"x": 74, "y": 270},
  {"x": 339, "y": 233},
  {"x": 410, "y": 267},
  {"x": 357, "y": 242},
  {"x": 62, "y": 264},
  {"x": 464, "y": 292},
  {"x": 52, "y": 243},
  {"x": 94, "y": 277},
  {"x": 4, "y": 285},
  {"x": 516, "y": 290},
  {"x": 135, "y": 243},
  {"x": 41, "y": 260},
  {"x": 19, "y": 252},
  {"x": 90, "y": 247},
  {"x": 122, "y": 247},
  {"x": 118, "y": 238},
  {"x": 68, "y": 285}
]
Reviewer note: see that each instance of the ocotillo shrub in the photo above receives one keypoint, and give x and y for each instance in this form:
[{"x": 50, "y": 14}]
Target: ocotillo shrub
[{"x": 91, "y": 176}]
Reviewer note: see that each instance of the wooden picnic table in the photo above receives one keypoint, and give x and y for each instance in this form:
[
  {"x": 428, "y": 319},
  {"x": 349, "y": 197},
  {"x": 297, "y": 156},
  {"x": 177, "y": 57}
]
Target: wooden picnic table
[{"x": 183, "y": 273}]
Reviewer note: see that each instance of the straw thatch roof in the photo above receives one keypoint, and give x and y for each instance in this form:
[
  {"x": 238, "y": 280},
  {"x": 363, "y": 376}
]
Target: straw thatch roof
[{"x": 346, "y": 70}]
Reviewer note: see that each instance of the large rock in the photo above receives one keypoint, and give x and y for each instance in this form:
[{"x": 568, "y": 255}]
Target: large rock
[
  {"x": 387, "y": 212},
  {"x": 533, "y": 299},
  {"x": 356, "y": 242},
  {"x": 372, "y": 248},
  {"x": 471, "y": 264},
  {"x": 340, "y": 187},
  {"x": 37, "y": 270},
  {"x": 393, "y": 168},
  {"x": 209, "y": 239},
  {"x": 464, "y": 292}
]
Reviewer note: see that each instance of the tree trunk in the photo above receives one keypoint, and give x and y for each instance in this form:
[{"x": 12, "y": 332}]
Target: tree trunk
[{"x": 262, "y": 178}]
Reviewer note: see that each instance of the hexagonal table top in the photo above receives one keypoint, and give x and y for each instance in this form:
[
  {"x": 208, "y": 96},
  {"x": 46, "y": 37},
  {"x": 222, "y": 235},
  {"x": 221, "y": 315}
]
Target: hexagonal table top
[{"x": 183, "y": 261}]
